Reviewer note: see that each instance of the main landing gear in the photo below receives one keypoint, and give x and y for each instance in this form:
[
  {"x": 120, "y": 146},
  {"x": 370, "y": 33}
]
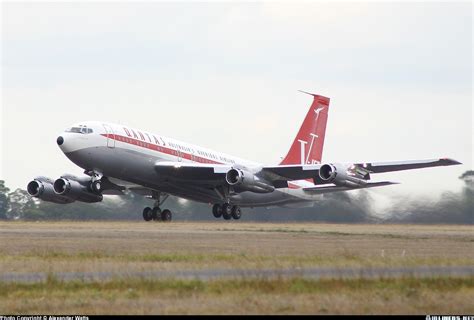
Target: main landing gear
[
  {"x": 155, "y": 213},
  {"x": 227, "y": 211}
]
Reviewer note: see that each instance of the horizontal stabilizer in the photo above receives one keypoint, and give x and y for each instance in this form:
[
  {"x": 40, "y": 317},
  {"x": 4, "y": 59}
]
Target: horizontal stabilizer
[{"x": 329, "y": 189}]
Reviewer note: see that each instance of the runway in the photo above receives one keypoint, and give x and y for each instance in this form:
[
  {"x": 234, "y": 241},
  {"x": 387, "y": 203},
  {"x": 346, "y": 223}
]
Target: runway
[{"x": 212, "y": 274}]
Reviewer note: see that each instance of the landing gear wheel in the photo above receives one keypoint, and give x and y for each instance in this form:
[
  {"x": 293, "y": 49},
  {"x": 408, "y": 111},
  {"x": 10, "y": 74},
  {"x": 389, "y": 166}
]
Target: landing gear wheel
[
  {"x": 96, "y": 186},
  {"x": 156, "y": 213},
  {"x": 227, "y": 211},
  {"x": 166, "y": 215},
  {"x": 236, "y": 212},
  {"x": 217, "y": 210},
  {"x": 147, "y": 214}
]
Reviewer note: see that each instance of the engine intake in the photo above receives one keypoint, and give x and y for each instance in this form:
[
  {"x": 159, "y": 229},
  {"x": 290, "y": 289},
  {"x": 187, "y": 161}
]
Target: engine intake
[
  {"x": 42, "y": 188},
  {"x": 327, "y": 172},
  {"x": 234, "y": 176},
  {"x": 243, "y": 180},
  {"x": 76, "y": 188},
  {"x": 35, "y": 188}
]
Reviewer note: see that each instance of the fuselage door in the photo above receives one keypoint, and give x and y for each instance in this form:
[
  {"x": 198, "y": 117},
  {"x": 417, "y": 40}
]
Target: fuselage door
[{"x": 110, "y": 136}]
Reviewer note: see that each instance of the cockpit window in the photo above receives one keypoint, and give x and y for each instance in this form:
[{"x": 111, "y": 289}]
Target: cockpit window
[
  {"x": 74, "y": 129},
  {"x": 81, "y": 129}
]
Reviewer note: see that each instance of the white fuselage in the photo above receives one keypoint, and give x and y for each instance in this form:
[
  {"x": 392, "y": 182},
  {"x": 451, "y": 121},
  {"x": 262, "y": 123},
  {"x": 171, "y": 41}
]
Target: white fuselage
[{"x": 128, "y": 155}]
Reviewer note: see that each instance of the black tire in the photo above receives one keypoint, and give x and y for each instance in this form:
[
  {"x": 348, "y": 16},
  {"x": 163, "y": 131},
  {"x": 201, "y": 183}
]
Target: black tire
[
  {"x": 156, "y": 213},
  {"x": 236, "y": 212},
  {"x": 217, "y": 210},
  {"x": 227, "y": 211},
  {"x": 96, "y": 186},
  {"x": 147, "y": 215},
  {"x": 166, "y": 215}
]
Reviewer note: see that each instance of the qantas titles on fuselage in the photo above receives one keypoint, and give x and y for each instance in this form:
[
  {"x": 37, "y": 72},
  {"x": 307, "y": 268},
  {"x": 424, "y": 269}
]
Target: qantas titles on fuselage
[{"x": 151, "y": 141}]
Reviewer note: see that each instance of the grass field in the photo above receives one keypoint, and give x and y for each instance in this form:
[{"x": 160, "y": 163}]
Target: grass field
[
  {"x": 394, "y": 296},
  {"x": 138, "y": 246}
]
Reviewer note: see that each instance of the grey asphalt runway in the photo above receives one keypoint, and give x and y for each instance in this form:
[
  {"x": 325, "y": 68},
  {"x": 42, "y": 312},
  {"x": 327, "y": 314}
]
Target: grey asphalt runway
[{"x": 310, "y": 273}]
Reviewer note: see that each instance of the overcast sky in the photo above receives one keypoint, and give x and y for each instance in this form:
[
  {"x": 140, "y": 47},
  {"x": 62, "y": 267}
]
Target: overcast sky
[{"x": 226, "y": 75}]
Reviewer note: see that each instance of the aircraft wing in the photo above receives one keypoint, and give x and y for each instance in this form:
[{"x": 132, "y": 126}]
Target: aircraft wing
[
  {"x": 290, "y": 172},
  {"x": 280, "y": 175},
  {"x": 380, "y": 167},
  {"x": 298, "y": 172},
  {"x": 196, "y": 172},
  {"x": 205, "y": 173}
]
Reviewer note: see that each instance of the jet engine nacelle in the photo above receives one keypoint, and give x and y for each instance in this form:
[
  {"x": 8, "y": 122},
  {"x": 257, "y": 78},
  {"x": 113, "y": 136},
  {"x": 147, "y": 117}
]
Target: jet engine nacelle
[
  {"x": 76, "y": 188},
  {"x": 243, "y": 180},
  {"x": 340, "y": 175},
  {"x": 42, "y": 188}
]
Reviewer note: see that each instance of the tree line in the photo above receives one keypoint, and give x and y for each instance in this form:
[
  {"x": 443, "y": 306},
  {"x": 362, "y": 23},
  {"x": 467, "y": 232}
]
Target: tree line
[{"x": 344, "y": 207}]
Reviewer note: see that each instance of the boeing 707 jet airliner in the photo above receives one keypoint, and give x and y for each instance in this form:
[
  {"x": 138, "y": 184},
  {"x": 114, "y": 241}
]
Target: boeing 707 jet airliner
[{"x": 116, "y": 157}]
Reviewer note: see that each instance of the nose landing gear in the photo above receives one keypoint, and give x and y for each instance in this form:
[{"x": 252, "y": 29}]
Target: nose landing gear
[
  {"x": 227, "y": 211},
  {"x": 96, "y": 186},
  {"x": 96, "y": 182}
]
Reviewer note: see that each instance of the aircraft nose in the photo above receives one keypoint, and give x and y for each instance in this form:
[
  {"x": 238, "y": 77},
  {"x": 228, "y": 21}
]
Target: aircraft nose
[{"x": 60, "y": 140}]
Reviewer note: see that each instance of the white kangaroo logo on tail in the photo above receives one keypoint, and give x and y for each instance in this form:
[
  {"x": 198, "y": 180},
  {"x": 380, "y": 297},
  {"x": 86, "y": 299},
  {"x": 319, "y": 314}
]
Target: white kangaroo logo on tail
[{"x": 317, "y": 111}]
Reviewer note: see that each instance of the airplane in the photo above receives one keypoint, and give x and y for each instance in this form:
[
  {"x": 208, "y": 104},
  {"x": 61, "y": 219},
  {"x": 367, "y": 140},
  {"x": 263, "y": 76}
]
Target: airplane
[{"x": 117, "y": 157}]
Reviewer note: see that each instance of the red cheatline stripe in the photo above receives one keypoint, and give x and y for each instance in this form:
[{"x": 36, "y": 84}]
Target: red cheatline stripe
[
  {"x": 169, "y": 151},
  {"x": 154, "y": 147}
]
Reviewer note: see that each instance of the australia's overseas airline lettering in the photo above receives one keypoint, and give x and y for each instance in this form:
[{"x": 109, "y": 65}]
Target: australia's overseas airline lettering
[{"x": 137, "y": 137}]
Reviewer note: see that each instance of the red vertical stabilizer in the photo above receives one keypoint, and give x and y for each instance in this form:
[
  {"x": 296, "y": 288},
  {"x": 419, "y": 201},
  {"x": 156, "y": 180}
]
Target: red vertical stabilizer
[{"x": 307, "y": 148}]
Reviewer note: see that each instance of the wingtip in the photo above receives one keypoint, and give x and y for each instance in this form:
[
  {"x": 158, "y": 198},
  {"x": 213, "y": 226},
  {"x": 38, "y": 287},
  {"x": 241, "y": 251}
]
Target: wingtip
[
  {"x": 450, "y": 162},
  {"x": 388, "y": 183}
]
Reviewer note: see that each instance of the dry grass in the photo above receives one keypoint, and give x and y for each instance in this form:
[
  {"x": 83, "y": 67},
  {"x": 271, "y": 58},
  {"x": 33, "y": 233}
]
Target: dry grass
[
  {"x": 139, "y": 246},
  {"x": 288, "y": 296},
  {"x": 136, "y": 246}
]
